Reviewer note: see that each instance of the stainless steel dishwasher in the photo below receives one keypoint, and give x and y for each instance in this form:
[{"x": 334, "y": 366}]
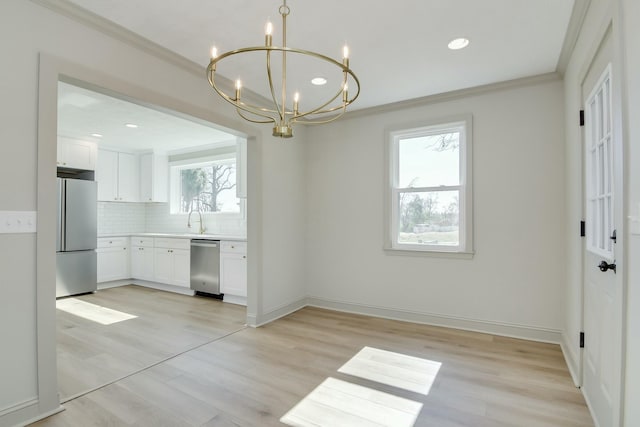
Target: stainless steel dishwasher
[{"x": 205, "y": 267}]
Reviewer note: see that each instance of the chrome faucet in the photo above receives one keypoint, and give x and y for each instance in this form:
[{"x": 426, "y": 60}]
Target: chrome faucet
[{"x": 202, "y": 228}]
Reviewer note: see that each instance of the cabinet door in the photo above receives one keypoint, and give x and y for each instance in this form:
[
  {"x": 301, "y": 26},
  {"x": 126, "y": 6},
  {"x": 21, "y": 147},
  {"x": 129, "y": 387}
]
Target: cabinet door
[
  {"x": 233, "y": 274},
  {"x": 128, "y": 177},
  {"x": 163, "y": 265},
  {"x": 181, "y": 267},
  {"x": 80, "y": 154},
  {"x": 142, "y": 263},
  {"x": 107, "y": 175},
  {"x": 154, "y": 173},
  {"x": 113, "y": 264}
]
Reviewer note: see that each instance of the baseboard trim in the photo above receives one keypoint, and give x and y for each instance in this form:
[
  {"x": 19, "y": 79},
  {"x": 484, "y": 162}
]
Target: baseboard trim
[
  {"x": 495, "y": 328},
  {"x": 279, "y": 312},
  {"x": 574, "y": 370},
  {"x": 26, "y": 413}
]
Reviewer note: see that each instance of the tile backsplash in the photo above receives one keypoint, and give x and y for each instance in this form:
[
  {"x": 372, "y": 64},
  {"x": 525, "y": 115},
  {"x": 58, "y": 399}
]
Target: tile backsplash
[{"x": 116, "y": 218}]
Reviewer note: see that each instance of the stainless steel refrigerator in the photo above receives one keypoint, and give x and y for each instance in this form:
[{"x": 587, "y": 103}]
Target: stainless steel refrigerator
[{"x": 76, "y": 259}]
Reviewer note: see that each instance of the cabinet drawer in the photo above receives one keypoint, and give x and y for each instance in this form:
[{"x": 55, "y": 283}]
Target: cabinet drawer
[
  {"x": 146, "y": 242},
  {"x": 172, "y": 243},
  {"x": 112, "y": 242},
  {"x": 233, "y": 247}
]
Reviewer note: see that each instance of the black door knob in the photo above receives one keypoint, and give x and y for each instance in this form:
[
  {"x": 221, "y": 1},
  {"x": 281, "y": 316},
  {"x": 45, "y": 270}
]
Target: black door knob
[{"x": 604, "y": 266}]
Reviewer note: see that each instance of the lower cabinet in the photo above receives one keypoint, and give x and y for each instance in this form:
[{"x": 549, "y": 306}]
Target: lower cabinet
[
  {"x": 113, "y": 259},
  {"x": 142, "y": 265},
  {"x": 172, "y": 261},
  {"x": 233, "y": 268}
]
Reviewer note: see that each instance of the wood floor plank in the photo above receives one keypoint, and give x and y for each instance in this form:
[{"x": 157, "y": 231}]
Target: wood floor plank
[{"x": 252, "y": 377}]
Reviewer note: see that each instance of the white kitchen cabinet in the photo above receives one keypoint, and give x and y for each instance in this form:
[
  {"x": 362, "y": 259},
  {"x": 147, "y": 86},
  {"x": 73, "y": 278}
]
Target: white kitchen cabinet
[
  {"x": 233, "y": 268},
  {"x": 113, "y": 259},
  {"x": 117, "y": 174},
  {"x": 142, "y": 258},
  {"x": 154, "y": 178},
  {"x": 171, "y": 261},
  {"x": 76, "y": 154}
]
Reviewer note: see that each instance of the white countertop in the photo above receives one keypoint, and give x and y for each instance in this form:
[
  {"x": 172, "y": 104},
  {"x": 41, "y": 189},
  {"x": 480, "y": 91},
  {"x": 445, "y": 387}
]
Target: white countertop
[{"x": 179, "y": 235}]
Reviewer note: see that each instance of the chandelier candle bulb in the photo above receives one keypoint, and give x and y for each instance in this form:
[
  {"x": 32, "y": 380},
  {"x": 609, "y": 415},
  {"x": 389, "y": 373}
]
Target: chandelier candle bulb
[
  {"x": 268, "y": 31},
  {"x": 296, "y": 98},
  {"x": 214, "y": 52},
  {"x": 345, "y": 55},
  {"x": 238, "y": 87}
]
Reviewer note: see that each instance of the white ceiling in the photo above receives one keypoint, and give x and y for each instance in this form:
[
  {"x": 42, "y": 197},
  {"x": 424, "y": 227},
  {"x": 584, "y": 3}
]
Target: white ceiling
[
  {"x": 82, "y": 112},
  {"x": 398, "y": 49}
]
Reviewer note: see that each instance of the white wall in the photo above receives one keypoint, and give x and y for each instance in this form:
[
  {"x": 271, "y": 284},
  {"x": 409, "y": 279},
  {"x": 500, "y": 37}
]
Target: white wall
[
  {"x": 630, "y": 15},
  {"x": 514, "y": 283},
  {"x": 28, "y": 30}
]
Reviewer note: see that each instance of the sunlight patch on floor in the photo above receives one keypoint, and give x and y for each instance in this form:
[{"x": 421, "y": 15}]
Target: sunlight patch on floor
[
  {"x": 93, "y": 312},
  {"x": 339, "y": 403},
  {"x": 394, "y": 369}
]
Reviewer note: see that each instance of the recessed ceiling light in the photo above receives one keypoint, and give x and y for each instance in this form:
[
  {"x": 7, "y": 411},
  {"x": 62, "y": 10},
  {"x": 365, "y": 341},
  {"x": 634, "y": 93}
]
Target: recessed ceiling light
[
  {"x": 459, "y": 43},
  {"x": 319, "y": 81},
  {"x": 131, "y": 125},
  {"x": 96, "y": 135}
]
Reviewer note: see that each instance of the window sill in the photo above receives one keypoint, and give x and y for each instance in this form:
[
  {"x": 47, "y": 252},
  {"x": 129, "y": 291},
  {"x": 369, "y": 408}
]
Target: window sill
[{"x": 428, "y": 253}]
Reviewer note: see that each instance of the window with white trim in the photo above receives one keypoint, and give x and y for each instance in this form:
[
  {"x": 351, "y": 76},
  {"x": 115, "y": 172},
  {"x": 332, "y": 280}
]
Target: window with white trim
[
  {"x": 430, "y": 199},
  {"x": 207, "y": 185}
]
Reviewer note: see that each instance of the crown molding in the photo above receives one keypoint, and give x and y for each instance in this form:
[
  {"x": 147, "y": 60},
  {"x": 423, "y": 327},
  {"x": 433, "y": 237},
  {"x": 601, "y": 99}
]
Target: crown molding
[
  {"x": 578, "y": 15},
  {"x": 118, "y": 32},
  {"x": 454, "y": 95}
]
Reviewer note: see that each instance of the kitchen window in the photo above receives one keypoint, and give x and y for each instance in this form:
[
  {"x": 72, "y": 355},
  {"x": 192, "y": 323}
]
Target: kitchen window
[
  {"x": 429, "y": 198},
  {"x": 207, "y": 185}
]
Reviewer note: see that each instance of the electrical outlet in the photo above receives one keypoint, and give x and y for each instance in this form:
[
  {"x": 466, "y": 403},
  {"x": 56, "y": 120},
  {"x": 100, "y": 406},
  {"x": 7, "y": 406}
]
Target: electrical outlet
[{"x": 17, "y": 222}]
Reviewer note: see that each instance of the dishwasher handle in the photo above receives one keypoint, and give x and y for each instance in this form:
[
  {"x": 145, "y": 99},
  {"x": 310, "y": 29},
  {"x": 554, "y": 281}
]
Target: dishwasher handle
[{"x": 205, "y": 244}]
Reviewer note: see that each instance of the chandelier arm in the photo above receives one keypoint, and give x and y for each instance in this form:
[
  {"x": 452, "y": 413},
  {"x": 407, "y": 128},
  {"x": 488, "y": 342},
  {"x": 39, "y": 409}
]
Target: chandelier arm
[
  {"x": 273, "y": 92},
  {"x": 319, "y": 110},
  {"x": 240, "y": 110},
  {"x": 239, "y": 104},
  {"x": 329, "y": 120}
]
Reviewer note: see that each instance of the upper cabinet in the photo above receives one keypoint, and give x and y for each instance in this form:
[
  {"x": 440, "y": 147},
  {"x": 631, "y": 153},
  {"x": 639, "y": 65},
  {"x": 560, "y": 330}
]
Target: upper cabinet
[
  {"x": 154, "y": 178},
  {"x": 118, "y": 176},
  {"x": 76, "y": 154}
]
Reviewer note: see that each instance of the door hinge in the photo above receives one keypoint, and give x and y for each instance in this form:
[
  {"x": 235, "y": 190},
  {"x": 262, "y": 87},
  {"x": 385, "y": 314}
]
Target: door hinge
[
  {"x": 582, "y": 228},
  {"x": 581, "y": 117},
  {"x": 581, "y": 339}
]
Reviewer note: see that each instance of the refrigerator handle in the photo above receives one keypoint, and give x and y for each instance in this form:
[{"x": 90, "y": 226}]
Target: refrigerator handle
[{"x": 61, "y": 215}]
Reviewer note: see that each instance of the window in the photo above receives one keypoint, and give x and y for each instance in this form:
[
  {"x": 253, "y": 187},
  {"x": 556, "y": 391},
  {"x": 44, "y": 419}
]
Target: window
[
  {"x": 429, "y": 194},
  {"x": 600, "y": 186},
  {"x": 205, "y": 184}
]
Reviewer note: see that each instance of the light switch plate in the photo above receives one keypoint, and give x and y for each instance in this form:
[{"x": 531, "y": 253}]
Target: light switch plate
[{"x": 17, "y": 222}]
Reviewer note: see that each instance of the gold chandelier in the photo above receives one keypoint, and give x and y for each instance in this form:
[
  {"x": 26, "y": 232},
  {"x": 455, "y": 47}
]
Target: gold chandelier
[{"x": 282, "y": 115}]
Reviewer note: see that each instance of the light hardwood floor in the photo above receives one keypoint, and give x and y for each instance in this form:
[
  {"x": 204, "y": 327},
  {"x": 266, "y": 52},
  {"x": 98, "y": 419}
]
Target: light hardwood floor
[
  {"x": 91, "y": 354},
  {"x": 253, "y": 377}
]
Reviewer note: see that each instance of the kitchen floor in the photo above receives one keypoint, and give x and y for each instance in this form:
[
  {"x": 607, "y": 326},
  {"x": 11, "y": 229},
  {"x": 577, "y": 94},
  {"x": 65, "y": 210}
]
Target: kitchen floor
[
  {"x": 318, "y": 367},
  {"x": 115, "y": 332}
]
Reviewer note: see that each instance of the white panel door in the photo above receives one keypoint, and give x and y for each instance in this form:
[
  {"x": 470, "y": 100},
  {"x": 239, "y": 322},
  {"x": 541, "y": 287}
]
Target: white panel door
[{"x": 602, "y": 288}]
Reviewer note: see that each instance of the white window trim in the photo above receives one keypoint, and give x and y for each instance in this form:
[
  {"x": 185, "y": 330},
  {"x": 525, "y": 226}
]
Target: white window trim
[
  {"x": 465, "y": 247},
  {"x": 174, "y": 184}
]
